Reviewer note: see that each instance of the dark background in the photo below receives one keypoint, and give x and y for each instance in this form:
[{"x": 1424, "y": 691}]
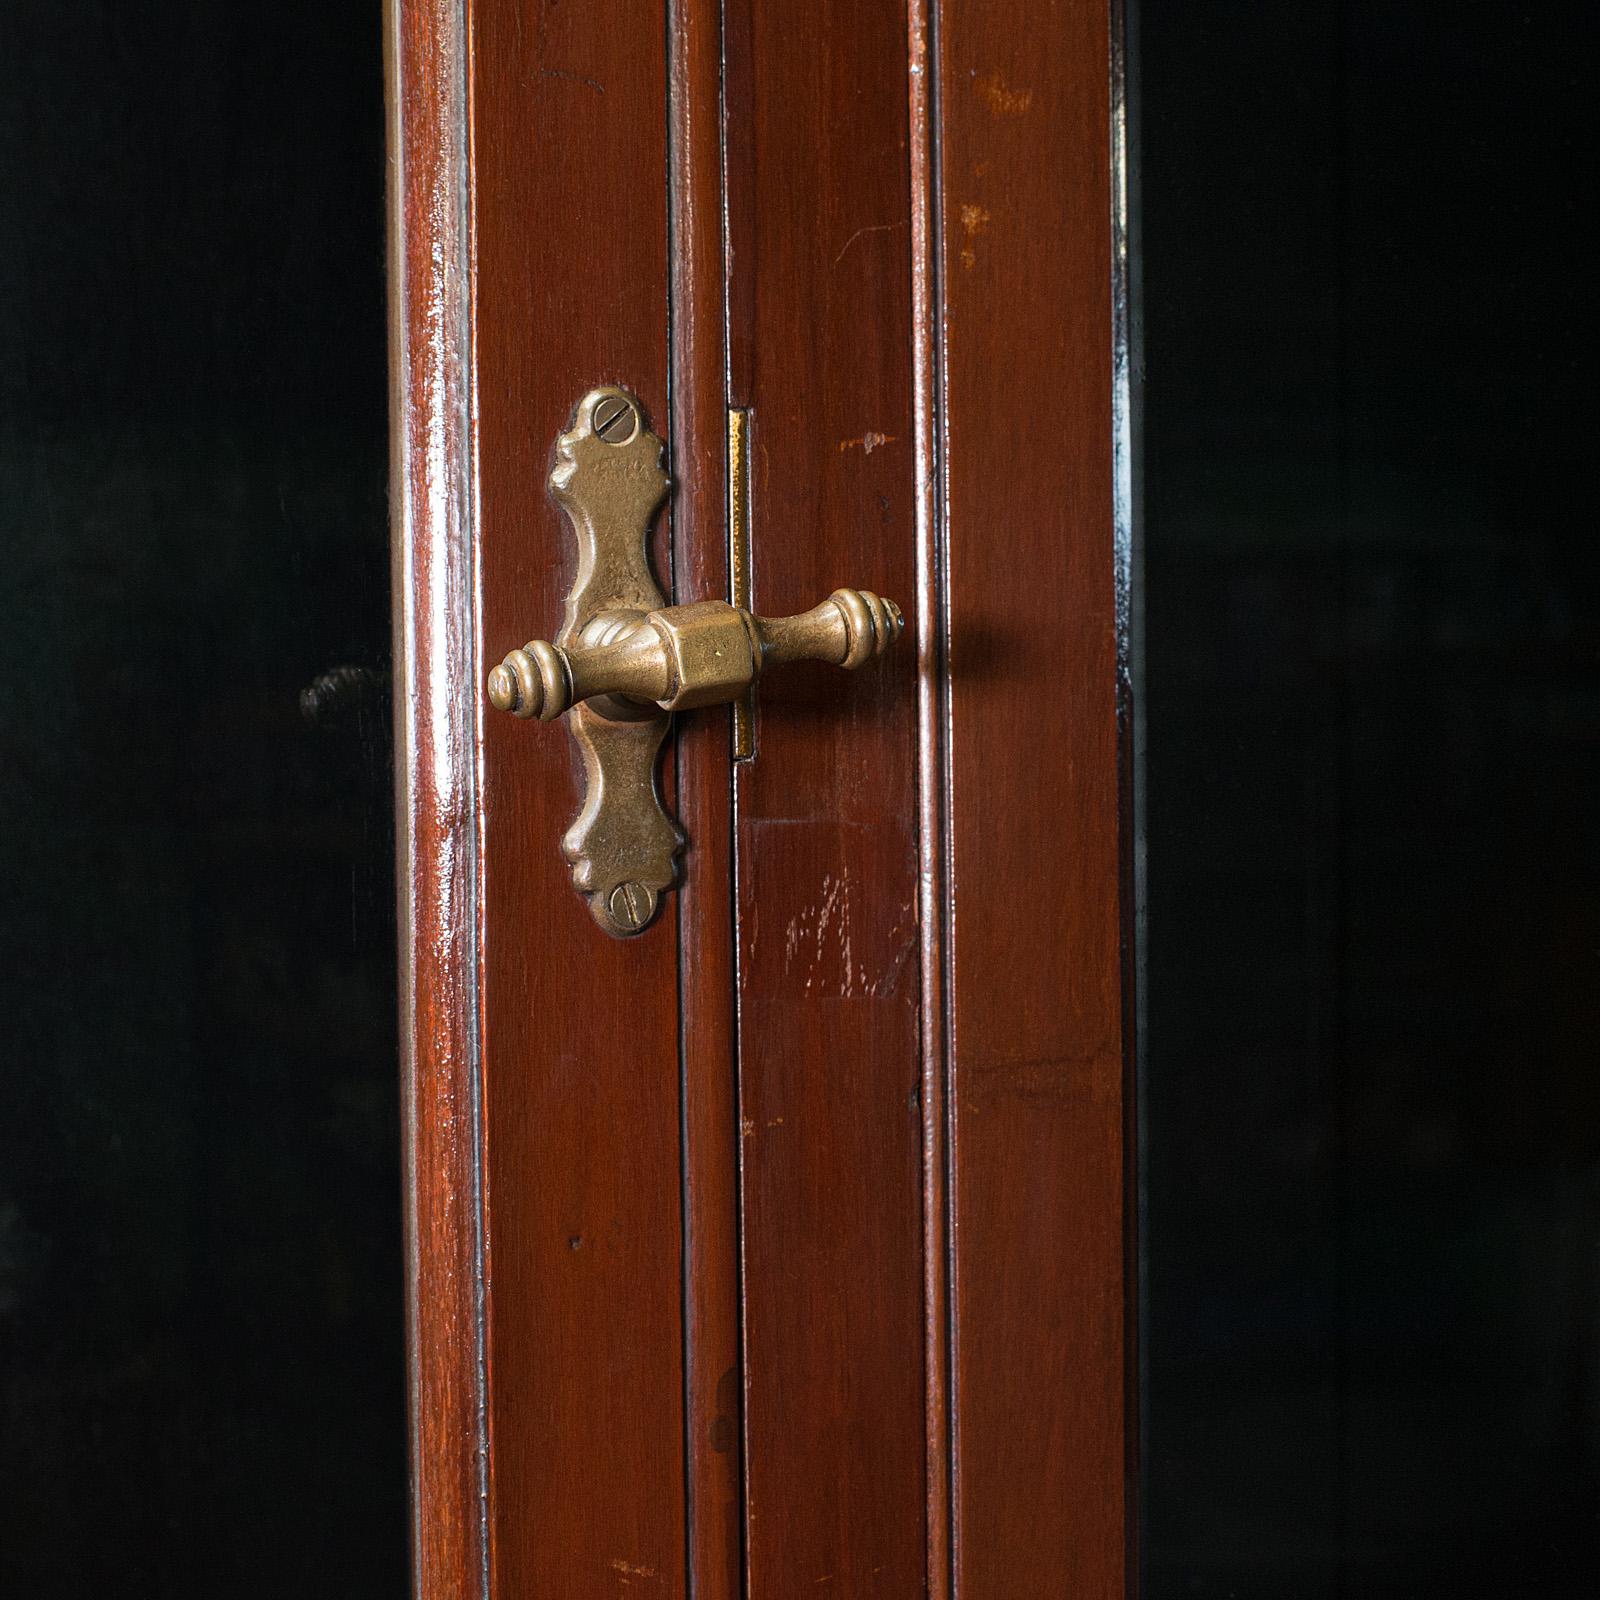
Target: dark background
[
  {"x": 201, "y": 1327},
  {"x": 1370, "y": 700}
]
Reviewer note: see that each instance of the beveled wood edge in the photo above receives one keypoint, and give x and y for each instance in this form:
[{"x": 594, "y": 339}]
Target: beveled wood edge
[
  {"x": 1125, "y": 367},
  {"x": 933, "y": 779},
  {"x": 436, "y": 739},
  {"x": 714, "y": 1499},
  {"x": 1120, "y": 441}
]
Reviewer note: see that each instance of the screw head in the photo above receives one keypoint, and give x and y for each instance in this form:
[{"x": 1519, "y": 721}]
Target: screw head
[
  {"x": 629, "y": 906},
  {"x": 615, "y": 420}
]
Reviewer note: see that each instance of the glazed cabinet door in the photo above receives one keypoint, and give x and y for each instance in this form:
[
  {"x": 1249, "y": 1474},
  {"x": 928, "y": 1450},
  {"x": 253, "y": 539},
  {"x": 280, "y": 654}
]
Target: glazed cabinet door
[
  {"x": 202, "y": 1352},
  {"x": 765, "y": 1096}
]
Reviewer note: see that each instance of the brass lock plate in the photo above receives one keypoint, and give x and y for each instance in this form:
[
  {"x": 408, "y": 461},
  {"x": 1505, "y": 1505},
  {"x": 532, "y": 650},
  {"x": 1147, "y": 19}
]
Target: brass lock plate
[
  {"x": 609, "y": 481},
  {"x": 624, "y": 661}
]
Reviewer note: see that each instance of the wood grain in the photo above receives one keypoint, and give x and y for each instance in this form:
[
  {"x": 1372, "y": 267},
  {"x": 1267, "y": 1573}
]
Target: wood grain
[
  {"x": 933, "y": 880},
  {"x": 1036, "y": 586},
  {"x": 712, "y": 1386},
  {"x": 581, "y": 1046},
  {"x": 834, "y": 1155},
  {"x": 436, "y": 788},
  {"x": 820, "y": 342}
]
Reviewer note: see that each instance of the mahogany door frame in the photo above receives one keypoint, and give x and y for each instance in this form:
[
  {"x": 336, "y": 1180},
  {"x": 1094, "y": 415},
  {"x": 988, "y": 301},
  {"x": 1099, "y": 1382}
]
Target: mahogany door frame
[
  {"x": 436, "y": 790},
  {"x": 1016, "y": 218}
]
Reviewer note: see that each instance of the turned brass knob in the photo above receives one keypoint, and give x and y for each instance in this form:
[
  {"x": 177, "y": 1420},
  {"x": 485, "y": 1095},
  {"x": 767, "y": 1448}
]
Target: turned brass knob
[{"x": 676, "y": 657}]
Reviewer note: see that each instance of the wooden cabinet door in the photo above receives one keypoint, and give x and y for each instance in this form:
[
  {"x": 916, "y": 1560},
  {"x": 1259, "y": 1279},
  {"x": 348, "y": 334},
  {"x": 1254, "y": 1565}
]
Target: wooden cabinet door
[{"x": 779, "y": 1249}]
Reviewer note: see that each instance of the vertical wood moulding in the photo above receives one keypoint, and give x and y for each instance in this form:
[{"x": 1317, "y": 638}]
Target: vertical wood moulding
[
  {"x": 932, "y": 624},
  {"x": 707, "y": 1050},
  {"x": 1124, "y": 401},
  {"x": 582, "y": 1080},
  {"x": 833, "y": 1161},
  {"x": 1036, "y": 959},
  {"x": 436, "y": 789}
]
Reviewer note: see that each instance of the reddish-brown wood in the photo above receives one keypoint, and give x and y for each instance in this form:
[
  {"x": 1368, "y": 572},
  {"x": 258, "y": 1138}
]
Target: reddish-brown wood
[
  {"x": 820, "y": 335},
  {"x": 932, "y": 780},
  {"x": 581, "y": 1047},
  {"x": 436, "y": 789},
  {"x": 712, "y": 1390},
  {"x": 804, "y": 1247},
  {"x": 1034, "y": 910}
]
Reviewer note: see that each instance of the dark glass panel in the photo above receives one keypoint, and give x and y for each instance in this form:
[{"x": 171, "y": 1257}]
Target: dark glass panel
[
  {"x": 201, "y": 1369},
  {"x": 1370, "y": 684}
]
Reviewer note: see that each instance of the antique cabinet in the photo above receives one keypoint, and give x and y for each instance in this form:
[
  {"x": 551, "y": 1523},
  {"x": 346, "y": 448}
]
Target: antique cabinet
[
  {"x": 777, "y": 1248},
  {"x": 523, "y": 1078}
]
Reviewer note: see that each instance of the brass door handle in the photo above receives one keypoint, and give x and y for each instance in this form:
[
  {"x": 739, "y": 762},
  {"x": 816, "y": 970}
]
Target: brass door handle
[
  {"x": 702, "y": 654},
  {"x": 623, "y": 661}
]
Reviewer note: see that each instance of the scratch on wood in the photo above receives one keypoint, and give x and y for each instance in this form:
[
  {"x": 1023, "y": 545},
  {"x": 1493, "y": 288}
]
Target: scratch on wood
[
  {"x": 813, "y": 928},
  {"x": 631, "y": 1571},
  {"x": 1002, "y": 99},
  {"x": 1049, "y": 1083},
  {"x": 974, "y": 220},
  {"x": 868, "y": 442},
  {"x": 819, "y": 941},
  {"x": 877, "y": 227},
  {"x": 572, "y": 77},
  {"x": 824, "y": 917},
  {"x": 897, "y": 965}
]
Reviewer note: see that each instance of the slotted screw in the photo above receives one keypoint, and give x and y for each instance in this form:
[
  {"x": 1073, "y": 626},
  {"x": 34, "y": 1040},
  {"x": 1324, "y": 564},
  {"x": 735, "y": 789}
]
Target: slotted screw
[
  {"x": 630, "y": 905},
  {"x": 614, "y": 420}
]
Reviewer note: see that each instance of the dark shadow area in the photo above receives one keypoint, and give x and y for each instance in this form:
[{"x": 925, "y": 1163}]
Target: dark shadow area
[
  {"x": 1371, "y": 699},
  {"x": 201, "y": 1329}
]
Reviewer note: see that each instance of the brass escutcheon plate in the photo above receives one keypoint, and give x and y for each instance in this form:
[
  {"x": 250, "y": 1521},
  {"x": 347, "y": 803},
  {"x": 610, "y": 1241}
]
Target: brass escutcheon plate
[
  {"x": 609, "y": 480},
  {"x": 624, "y": 660}
]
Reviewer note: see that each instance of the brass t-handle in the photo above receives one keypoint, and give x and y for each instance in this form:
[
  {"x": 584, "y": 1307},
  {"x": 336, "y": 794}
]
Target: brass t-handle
[
  {"x": 624, "y": 661},
  {"x": 702, "y": 654}
]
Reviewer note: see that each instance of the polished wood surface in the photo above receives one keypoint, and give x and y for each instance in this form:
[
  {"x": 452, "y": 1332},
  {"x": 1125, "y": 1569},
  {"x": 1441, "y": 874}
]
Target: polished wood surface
[
  {"x": 581, "y": 1074},
  {"x": 819, "y": 258},
  {"x": 436, "y": 790},
  {"x": 1035, "y": 589},
  {"x": 932, "y": 783},
  {"x": 805, "y": 1210},
  {"x": 713, "y": 1445}
]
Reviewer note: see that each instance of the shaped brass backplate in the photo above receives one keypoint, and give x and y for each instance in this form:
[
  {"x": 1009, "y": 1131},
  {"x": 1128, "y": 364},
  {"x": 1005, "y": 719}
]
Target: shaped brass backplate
[
  {"x": 609, "y": 481},
  {"x": 624, "y": 661}
]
